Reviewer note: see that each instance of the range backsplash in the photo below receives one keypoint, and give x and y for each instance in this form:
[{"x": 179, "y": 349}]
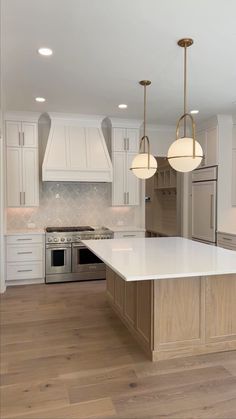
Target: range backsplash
[{"x": 66, "y": 204}]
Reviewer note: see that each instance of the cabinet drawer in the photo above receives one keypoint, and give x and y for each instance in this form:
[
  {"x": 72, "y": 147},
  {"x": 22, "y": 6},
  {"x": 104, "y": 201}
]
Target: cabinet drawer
[
  {"x": 226, "y": 238},
  {"x": 129, "y": 234},
  {"x": 205, "y": 174},
  {"x": 227, "y": 241},
  {"x": 25, "y": 239},
  {"x": 24, "y": 253},
  {"x": 21, "y": 271}
]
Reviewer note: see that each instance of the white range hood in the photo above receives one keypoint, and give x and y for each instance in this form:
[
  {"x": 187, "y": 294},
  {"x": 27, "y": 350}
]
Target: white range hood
[{"x": 76, "y": 150}]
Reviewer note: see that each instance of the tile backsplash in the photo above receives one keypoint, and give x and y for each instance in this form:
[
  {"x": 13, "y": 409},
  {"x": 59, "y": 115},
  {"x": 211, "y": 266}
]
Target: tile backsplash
[{"x": 66, "y": 204}]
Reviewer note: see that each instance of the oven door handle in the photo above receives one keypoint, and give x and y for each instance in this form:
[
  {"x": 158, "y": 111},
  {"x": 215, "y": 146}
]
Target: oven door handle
[
  {"x": 78, "y": 246},
  {"x": 49, "y": 247}
]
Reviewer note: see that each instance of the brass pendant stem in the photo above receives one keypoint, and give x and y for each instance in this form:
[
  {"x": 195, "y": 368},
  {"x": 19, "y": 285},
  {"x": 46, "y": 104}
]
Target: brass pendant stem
[
  {"x": 185, "y": 86},
  {"x": 185, "y": 43},
  {"x": 144, "y": 83}
]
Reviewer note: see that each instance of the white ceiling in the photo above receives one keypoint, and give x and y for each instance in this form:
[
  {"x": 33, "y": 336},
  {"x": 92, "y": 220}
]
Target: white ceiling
[{"x": 102, "y": 48}]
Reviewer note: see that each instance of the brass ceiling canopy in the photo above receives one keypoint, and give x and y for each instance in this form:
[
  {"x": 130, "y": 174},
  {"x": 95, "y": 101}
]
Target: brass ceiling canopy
[
  {"x": 185, "y": 42},
  {"x": 145, "y": 82}
]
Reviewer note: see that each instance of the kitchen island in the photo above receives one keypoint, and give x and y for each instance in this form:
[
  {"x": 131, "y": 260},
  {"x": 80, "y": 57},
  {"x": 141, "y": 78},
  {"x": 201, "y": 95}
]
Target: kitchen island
[{"x": 176, "y": 296}]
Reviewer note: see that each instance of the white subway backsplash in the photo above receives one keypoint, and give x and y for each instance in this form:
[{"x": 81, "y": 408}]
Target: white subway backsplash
[{"x": 67, "y": 204}]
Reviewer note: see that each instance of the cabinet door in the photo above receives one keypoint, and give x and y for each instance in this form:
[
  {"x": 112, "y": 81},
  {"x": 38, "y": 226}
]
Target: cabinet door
[
  {"x": 132, "y": 182},
  {"x": 234, "y": 178},
  {"x": 13, "y": 133},
  {"x": 201, "y": 138},
  {"x": 110, "y": 282},
  {"x": 204, "y": 211},
  {"x": 30, "y": 134},
  {"x": 118, "y": 185},
  {"x": 132, "y": 135},
  {"x": 30, "y": 177},
  {"x": 119, "y": 139},
  {"x": 14, "y": 176},
  {"x": 119, "y": 293},
  {"x": 130, "y": 302},
  {"x": 212, "y": 147}
]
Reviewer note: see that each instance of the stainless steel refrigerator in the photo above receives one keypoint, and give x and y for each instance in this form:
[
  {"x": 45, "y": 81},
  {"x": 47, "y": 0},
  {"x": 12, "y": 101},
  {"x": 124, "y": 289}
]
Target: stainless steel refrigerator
[{"x": 204, "y": 204}]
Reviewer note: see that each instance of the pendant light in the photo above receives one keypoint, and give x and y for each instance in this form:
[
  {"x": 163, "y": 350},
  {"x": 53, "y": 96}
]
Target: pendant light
[
  {"x": 185, "y": 154},
  {"x": 144, "y": 165}
]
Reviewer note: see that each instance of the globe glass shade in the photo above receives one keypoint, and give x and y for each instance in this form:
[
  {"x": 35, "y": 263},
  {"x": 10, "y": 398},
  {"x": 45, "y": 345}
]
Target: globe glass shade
[
  {"x": 140, "y": 168},
  {"x": 180, "y": 155}
]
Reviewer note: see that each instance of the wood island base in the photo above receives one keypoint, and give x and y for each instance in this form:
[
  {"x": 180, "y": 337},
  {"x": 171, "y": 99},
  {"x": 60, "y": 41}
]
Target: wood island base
[{"x": 172, "y": 318}]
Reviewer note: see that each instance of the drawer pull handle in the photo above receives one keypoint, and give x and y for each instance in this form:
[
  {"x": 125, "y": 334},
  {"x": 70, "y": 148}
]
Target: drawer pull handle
[
  {"x": 227, "y": 238},
  {"x": 129, "y": 235},
  {"x": 25, "y": 270},
  {"x": 24, "y": 253},
  {"x": 24, "y": 239}
]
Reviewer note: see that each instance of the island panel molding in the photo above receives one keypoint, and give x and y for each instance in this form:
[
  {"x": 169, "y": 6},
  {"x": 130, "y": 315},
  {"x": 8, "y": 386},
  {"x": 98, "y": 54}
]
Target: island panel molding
[
  {"x": 174, "y": 318},
  {"x": 176, "y": 296}
]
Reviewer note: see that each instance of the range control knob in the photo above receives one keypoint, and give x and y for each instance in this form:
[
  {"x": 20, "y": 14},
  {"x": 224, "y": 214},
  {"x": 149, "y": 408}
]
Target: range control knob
[
  {"x": 49, "y": 239},
  {"x": 55, "y": 239},
  {"x": 78, "y": 238},
  {"x": 63, "y": 239},
  {"x": 69, "y": 239}
]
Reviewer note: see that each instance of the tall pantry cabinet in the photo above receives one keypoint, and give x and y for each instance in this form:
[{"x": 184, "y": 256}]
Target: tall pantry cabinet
[
  {"x": 22, "y": 161},
  {"x": 125, "y": 146}
]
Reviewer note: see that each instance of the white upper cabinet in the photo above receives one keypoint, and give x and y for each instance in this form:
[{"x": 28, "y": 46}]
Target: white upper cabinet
[
  {"x": 119, "y": 139},
  {"x": 22, "y": 163},
  {"x": 125, "y": 139},
  {"x": 13, "y": 133},
  {"x": 30, "y": 177},
  {"x": 21, "y": 134},
  {"x": 14, "y": 177},
  {"x": 208, "y": 138},
  {"x": 22, "y": 177},
  {"x": 125, "y": 186},
  {"x": 119, "y": 179},
  {"x": 133, "y": 184},
  {"x": 30, "y": 134}
]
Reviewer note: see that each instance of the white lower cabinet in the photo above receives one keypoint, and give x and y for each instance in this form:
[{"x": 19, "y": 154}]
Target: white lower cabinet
[{"x": 25, "y": 258}]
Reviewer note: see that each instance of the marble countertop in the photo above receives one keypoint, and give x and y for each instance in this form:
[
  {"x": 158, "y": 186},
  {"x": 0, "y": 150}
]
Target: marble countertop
[{"x": 162, "y": 257}]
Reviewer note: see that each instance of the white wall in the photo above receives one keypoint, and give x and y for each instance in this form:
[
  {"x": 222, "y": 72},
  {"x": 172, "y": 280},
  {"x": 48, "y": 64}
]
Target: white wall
[
  {"x": 2, "y": 263},
  {"x": 161, "y": 137},
  {"x": 226, "y": 212}
]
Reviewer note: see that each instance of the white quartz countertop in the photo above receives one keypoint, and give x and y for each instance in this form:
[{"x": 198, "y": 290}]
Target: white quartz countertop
[
  {"x": 225, "y": 231},
  {"x": 24, "y": 231},
  {"x": 125, "y": 228},
  {"x": 162, "y": 257}
]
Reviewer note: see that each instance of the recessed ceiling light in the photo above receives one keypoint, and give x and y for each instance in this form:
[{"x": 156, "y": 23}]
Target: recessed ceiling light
[
  {"x": 40, "y": 99},
  {"x": 45, "y": 51},
  {"x": 194, "y": 111},
  {"x": 122, "y": 106}
]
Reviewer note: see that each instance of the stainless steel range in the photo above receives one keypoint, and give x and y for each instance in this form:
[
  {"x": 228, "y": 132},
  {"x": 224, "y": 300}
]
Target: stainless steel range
[{"x": 67, "y": 259}]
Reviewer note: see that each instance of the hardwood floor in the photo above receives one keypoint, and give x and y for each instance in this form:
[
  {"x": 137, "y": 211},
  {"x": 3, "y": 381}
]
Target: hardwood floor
[{"x": 64, "y": 355}]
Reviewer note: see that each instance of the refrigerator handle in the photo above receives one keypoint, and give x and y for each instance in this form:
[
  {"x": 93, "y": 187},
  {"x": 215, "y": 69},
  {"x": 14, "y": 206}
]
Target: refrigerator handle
[{"x": 212, "y": 211}]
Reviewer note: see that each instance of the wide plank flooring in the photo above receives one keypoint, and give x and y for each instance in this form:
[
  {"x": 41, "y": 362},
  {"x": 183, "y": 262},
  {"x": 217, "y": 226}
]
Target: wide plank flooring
[{"x": 65, "y": 355}]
